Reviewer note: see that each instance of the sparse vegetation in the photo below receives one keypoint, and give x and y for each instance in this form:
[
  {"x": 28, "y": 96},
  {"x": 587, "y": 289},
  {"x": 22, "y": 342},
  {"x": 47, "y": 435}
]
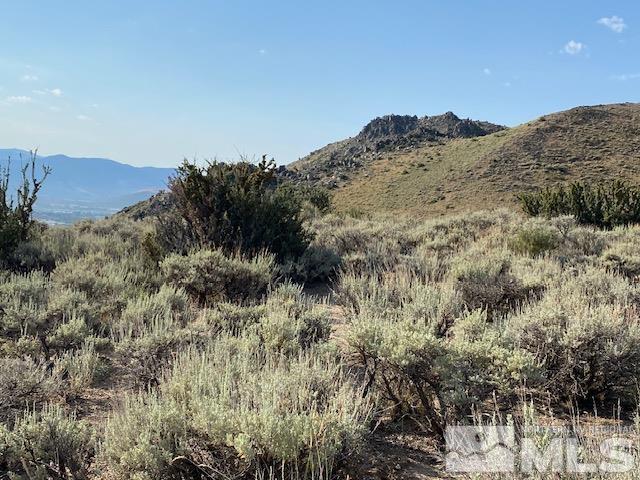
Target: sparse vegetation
[{"x": 213, "y": 361}]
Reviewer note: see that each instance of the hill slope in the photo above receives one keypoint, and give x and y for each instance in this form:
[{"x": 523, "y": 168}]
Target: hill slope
[
  {"x": 480, "y": 166},
  {"x": 333, "y": 164}
]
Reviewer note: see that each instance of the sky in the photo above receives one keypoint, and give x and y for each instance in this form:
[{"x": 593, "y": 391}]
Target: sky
[{"x": 153, "y": 82}]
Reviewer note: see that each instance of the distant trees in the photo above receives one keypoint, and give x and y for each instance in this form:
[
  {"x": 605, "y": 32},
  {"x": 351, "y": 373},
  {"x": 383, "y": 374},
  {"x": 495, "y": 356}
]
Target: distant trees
[
  {"x": 16, "y": 214},
  {"x": 238, "y": 207},
  {"x": 604, "y": 205}
]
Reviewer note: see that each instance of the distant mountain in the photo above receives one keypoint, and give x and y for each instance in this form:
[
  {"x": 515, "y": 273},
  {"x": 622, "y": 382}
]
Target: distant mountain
[
  {"x": 437, "y": 165},
  {"x": 86, "y": 187}
]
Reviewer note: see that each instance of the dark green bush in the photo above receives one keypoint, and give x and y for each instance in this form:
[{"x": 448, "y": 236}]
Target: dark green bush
[
  {"x": 606, "y": 205},
  {"x": 238, "y": 206}
]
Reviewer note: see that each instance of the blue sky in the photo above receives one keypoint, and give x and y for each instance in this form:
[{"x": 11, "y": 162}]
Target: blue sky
[{"x": 151, "y": 82}]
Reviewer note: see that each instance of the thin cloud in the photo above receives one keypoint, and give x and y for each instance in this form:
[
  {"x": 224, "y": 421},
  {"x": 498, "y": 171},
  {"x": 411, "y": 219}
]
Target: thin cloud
[
  {"x": 573, "y": 48},
  {"x": 19, "y": 99},
  {"x": 615, "y": 24},
  {"x": 83, "y": 118},
  {"x": 486, "y": 71},
  {"x": 56, "y": 92},
  {"x": 262, "y": 51},
  {"x": 626, "y": 76},
  {"x": 29, "y": 78}
]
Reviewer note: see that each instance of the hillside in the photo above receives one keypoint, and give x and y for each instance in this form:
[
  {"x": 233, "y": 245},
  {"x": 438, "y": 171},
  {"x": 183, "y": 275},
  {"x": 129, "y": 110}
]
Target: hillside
[
  {"x": 473, "y": 165},
  {"x": 86, "y": 187},
  {"x": 334, "y": 164}
]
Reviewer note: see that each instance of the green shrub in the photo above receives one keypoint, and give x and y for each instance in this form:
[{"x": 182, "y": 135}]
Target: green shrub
[
  {"x": 292, "y": 322},
  {"x": 623, "y": 258},
  {"x": 238, "y": 207},
  {"x": 438, "y": 378},
  {"x": 397, "y": 294},
  {"x": 24, "y": 383},
  {"x": 141, "y": 311},
  {"x": 232, "y": 318},
  {"x": 33, "y": 288},
  {"x": 237, "y": 410},
  {"x": 80, "y": 368},
  {"x": 24, "y": 300},
  {"x": 32, "y": 255},
  {"x": 55, "y": 317},
  {"x": 316, "y": 264},
  {"x": 210, "y": 275},
  {"x": 315, "y": 196},
  {"x": 48, "y": 444},
  {"x": 70, "y": 334},
  {"x": 603, "y": 205},
  {"x": 142, "y": 440},
  {"x": 144, "y": 354},
  {"x": 588, "y": 348},
  {"x": 534, "y": 241},
  {"x": 106, "y": 283}
]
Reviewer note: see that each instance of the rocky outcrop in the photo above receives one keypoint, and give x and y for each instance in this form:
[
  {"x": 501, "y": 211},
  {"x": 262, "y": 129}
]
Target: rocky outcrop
[{"x": 333, "y": 164}]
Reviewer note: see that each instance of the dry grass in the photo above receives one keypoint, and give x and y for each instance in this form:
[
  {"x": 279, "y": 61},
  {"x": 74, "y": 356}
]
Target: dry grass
[{"x": 590, "y": 144}]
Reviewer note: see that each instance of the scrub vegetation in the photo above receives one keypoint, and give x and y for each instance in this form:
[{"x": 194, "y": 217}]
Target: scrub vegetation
[{"x": 126, "y": 353}]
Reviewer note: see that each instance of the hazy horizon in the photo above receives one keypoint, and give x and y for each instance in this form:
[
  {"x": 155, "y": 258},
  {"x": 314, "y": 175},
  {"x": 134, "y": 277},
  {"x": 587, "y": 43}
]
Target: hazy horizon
[{"x": 151, "y": 86}]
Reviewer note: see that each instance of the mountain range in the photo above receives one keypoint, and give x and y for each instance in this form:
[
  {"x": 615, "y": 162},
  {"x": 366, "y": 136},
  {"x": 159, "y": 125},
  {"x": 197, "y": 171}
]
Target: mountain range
[
  {"x": 422, "y": 166},
  {"x": 85, "y": 187}
]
